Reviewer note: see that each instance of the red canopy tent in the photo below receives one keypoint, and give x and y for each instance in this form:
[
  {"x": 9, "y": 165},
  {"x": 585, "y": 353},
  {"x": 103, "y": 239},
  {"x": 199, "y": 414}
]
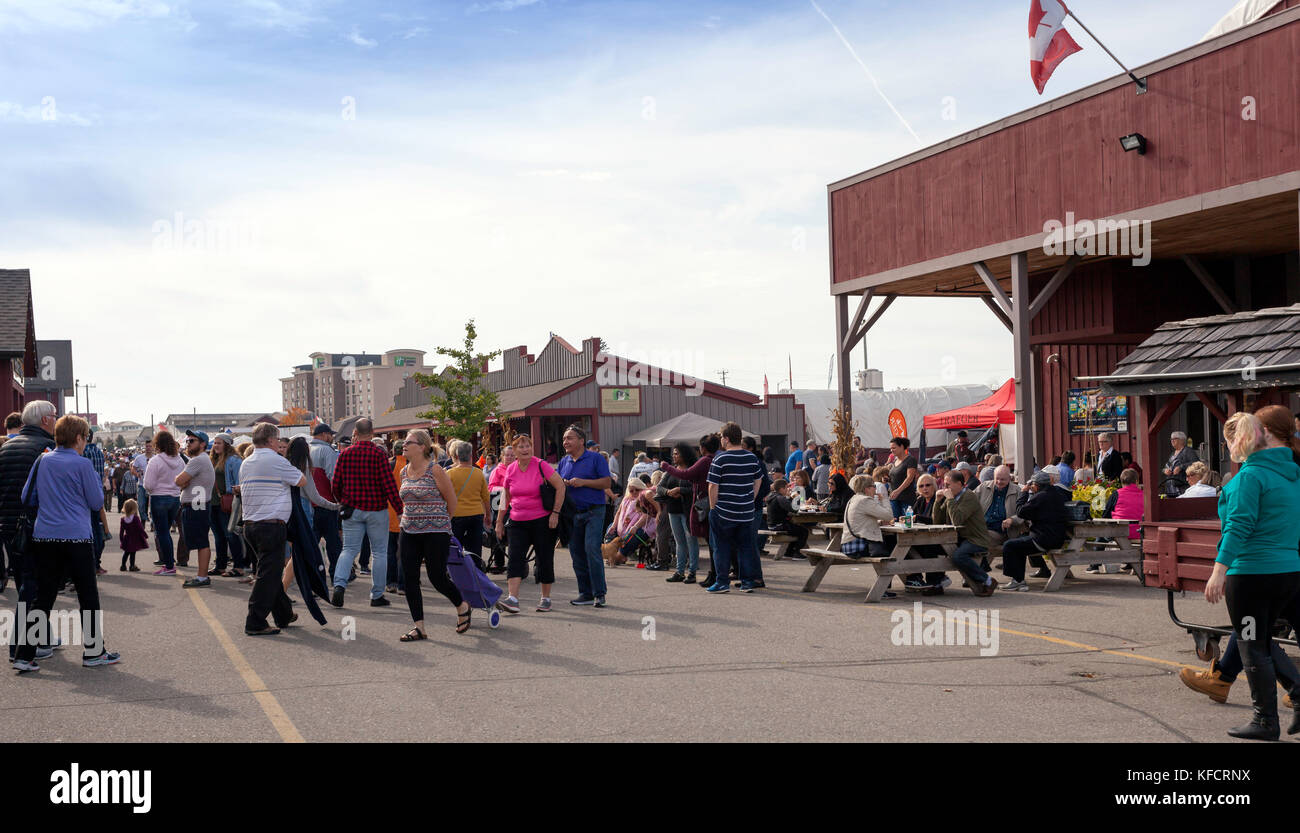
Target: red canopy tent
[{"x": 998, "y": 408}]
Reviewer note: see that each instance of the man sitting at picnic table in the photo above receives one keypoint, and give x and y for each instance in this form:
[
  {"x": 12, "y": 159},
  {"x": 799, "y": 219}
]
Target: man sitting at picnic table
[
  {"x": 778, "y": 511},
  {"x": 961, "y": 508},
  {"x": 998, "y": 499},
  {"x": 1043, "y": 506}
]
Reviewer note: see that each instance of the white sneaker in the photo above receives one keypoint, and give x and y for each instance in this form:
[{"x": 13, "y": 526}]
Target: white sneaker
[{"x": 1015, "y": 585}]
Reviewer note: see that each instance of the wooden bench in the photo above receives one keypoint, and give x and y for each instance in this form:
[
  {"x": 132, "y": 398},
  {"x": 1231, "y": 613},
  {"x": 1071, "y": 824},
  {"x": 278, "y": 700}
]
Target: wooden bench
[
  {"x": 776, "y": 536},
  {"x": 895, "y": 564},
  {"x": 1081, "y": 550}
]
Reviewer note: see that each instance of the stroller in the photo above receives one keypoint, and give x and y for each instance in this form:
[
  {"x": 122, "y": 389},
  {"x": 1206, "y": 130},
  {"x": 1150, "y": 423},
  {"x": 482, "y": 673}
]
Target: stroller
[{"x": 475, "y": 587}]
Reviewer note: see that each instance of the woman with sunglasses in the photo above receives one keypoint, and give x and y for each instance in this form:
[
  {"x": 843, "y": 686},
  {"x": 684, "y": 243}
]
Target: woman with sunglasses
[{"x": 531, "y": 523}]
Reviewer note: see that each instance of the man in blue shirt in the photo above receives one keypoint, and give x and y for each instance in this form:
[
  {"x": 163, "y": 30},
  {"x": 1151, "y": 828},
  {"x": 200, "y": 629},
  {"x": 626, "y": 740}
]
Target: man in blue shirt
[
  {"x": 734, "y": 480},
  {"x": 586, "y": 474},
  {"x": 792, "y": 462}
]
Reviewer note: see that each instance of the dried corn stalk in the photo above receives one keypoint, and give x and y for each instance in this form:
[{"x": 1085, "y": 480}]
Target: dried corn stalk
[{"x": 843, "y": 458}]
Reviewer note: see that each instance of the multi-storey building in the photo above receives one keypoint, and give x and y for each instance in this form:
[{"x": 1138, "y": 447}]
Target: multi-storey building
[{"x": 337, "y": 385}]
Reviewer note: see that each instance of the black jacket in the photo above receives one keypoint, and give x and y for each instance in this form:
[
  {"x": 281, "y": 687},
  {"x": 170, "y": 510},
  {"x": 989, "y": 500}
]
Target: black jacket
[
  {"x": 16, "y": 459},
  {"x": 1112, "y": 466},
  {"x": 1045, "y": 511}
]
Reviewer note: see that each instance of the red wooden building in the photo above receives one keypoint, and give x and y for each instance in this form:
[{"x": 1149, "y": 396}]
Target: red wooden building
[
  {"x": 1215, "y": 193},
  {"x": 17, "y": 338}
]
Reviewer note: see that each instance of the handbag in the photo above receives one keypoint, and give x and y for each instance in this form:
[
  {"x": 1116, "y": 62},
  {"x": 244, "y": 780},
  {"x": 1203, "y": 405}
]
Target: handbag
[
  {"x": 227, "y": 503},
  {"x": 22, "y": 538},
  {"x": 548, "y": 492},
  {"x": 701, "y": 507}
]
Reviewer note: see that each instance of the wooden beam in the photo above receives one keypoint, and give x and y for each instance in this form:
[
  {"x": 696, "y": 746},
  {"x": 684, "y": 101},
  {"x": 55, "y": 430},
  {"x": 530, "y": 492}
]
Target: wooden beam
[
  {"x": 842, "y": 355},
  {"x": 1023, "y": 357},
  {"x": 1162, "y": 416},
  {"x": 850, "y": 340},
  {"x": 1212, "y": 406},
  {"x": 1211, "y": 285},
  {"x": 1053, "y": 285},
  {"x": 997, "y": 310},
  {"x": 994, "y": 287},
  {"x": 875, "y": 316}
]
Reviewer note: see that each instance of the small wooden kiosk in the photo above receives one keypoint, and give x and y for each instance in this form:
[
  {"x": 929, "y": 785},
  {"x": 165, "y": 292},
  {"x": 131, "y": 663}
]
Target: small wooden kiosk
[{"x": 1228, "y": 363}]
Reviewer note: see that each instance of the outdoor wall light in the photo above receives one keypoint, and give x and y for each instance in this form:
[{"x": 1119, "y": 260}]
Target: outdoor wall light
[{"x": 1134, "y": 141}]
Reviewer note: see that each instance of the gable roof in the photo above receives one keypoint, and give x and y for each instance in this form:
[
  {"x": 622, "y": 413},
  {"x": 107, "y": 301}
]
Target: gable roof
[{"x": 17, "y": 327}]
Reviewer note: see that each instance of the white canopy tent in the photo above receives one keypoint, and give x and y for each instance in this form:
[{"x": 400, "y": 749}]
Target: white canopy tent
[
  {"x": 1242, "y": 14},
  {"x": 871, "y": 410},
  {"x": 687, "y": 428}
]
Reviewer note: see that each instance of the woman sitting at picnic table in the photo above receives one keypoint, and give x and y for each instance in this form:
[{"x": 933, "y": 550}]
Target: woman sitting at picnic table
[
  {"x": 928, "y": 498},
  {"x": 841, "y": 494},
  {"x": 862, "y": 519}
]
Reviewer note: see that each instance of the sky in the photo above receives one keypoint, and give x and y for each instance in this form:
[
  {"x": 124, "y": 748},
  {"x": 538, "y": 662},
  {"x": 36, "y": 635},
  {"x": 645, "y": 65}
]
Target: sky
[{"x": 207, "y": 192}]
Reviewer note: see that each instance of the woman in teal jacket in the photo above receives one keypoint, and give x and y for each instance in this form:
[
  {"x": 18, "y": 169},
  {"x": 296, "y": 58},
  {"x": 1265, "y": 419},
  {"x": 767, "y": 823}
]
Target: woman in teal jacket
[{"x": 1258, "y": 568}]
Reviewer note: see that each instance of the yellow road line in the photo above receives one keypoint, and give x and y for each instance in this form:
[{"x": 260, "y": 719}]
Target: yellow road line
[{"x": 274, "y": 711}]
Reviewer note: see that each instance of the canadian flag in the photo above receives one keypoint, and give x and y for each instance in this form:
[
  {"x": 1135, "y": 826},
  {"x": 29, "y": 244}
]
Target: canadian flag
[{"x": 1049, "y": 43}]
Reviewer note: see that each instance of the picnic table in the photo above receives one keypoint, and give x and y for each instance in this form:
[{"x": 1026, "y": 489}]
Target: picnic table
[
  {"x": 886, "y": 567},
  {"x": 1082, "y": 548}
]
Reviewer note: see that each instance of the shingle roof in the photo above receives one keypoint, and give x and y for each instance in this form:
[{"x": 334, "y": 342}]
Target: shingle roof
[
  {"x": 1256, "y": 338},
  {"x": 16, "y": 313}
]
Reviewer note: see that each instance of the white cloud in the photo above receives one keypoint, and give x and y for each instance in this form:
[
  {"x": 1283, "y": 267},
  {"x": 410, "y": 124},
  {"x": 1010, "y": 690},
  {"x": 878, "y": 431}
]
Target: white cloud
[
  {"x": 355, "y": 37},
  {"x": 45, "y": 113},
  {"x": 25, "y": 15},
  {"x": 416, "y": 32}
]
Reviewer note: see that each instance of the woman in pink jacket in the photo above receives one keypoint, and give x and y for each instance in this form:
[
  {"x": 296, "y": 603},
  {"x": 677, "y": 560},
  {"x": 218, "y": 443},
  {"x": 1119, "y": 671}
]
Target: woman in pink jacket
[{"x": 1128, "y": 501}]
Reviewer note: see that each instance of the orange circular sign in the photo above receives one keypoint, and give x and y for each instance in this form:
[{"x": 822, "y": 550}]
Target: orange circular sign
[{"x": 897, "y": 424}]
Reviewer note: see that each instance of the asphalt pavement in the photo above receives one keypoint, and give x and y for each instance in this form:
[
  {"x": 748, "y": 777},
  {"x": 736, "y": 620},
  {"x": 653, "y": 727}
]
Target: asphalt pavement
[{"x": 664, "y": 662}]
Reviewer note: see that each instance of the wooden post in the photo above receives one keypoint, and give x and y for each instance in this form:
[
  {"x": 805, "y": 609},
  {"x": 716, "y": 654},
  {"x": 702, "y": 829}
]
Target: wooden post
[
  {"x": 1025, "y": 435},
  {"x": 842, "y": 350},
  {"x": 1148, "y": 432}
]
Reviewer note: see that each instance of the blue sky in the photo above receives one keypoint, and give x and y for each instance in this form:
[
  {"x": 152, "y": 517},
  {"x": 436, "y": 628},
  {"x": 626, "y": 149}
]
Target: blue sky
[{"x": 368, "y": 175}]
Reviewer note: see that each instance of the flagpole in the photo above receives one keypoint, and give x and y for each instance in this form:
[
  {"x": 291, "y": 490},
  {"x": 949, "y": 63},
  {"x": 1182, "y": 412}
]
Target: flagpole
[{"x": 1141, "y": 82}]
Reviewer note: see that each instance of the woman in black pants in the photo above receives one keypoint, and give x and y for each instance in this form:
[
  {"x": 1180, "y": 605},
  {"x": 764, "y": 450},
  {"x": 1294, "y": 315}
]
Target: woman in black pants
[
  {"x": 427, "y": 505},
  {"x": 531, "y": 523},
  {"x": 1258, "y": 567}
]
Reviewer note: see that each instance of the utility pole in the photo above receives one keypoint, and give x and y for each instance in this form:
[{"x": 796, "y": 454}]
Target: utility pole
[
  {"x": 723, "y": 374},
  {"x": 88, "y": 387},
  {"x": 76, "y": 394}
]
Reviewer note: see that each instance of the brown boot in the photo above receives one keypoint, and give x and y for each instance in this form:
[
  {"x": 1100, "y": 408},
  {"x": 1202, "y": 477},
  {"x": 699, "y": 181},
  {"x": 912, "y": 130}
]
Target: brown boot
[{"x": 1209, "y": 683}]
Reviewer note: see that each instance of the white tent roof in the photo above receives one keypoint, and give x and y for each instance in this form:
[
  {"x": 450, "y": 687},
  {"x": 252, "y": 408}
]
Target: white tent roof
[
  {"x": 1244, "y": 13},
  {"x": 871, "y": 409},
  {"x": 687, "y": 428}
]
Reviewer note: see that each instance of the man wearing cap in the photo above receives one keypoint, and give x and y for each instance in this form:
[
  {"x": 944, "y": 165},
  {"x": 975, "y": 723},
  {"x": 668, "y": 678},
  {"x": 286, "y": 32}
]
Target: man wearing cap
[
  {"x": 643, "y": 466},
  {"x": 1176, "y": 468},
  {"x": 325, "y": 522},
  {"x": 197, "y": 483},
  {"x": 1043, "y": 507}
]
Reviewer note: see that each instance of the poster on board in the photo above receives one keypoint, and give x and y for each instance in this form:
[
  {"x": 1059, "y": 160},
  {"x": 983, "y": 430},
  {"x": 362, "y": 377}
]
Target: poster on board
[{"x": 1091, "y": 412}]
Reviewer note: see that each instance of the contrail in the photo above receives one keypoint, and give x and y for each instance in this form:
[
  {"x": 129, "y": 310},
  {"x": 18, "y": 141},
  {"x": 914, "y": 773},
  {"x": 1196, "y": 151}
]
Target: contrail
[{"x": 874, "y": 82}]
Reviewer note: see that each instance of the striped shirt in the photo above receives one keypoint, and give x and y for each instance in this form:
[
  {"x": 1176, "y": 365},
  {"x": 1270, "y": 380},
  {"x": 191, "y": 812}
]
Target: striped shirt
[
  {"x": 735, "y": 472},
  {"x": 264, "y": 481},
  {"x": 424, "y": 509}
]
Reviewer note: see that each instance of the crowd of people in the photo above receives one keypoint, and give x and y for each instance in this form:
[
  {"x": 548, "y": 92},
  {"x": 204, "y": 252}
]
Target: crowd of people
[{"x": 268, "y": 504}]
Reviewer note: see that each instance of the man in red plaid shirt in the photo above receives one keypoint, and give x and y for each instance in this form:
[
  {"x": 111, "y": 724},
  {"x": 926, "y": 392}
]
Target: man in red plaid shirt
[{"x": 363, "y": 482}]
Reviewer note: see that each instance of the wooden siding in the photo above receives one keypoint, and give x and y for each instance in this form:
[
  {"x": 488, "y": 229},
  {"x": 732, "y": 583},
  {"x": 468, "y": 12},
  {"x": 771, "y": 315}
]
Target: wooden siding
[
  {"x": 555, "y": 362},
  {"x": 1005, "y": 185},
  {"x": 783, "y": 416}
]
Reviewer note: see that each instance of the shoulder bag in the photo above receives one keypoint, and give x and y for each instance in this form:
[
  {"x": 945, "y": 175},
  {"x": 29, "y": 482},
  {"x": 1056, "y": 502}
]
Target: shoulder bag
[{"x": 22, "y": 538}]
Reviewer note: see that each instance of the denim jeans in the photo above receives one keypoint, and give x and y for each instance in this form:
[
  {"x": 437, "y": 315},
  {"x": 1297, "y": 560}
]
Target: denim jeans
[
  {"x": 898, "y": 507},
  {"x": 734, "y": 539},
  {"x": 97, "y": 535},
  {"x": 325, "y": 524},
  {"x": 365, "y": 524},
  {"x": 688, "y": 546},
  {"x": 963, "y": 557},
  {"x": 142, "y": 501},
  {"x": 584, "y": 549},
  {"x": 166, "y": 508}
]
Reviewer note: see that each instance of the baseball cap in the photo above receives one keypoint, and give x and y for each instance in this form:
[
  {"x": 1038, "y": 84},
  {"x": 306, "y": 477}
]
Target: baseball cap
[
  {"x": 198, "y": 435},
  {"x": 1042, "y": 478},
  {"x": 322, "y": 428},
  {"x": 591, "y": 443}
]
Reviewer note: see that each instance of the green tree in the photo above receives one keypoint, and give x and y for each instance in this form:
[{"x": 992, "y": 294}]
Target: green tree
[
  {"x": 461, "y": 404},
  {"x": 119, "y": 443}
]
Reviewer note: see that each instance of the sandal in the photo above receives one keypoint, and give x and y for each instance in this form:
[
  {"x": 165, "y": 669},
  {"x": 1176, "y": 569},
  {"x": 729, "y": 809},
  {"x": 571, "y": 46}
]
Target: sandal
[
  {"x": 413, "y": 635},
  {"x": 463, "y": 619},
  {"x": 233, "y": 572}
]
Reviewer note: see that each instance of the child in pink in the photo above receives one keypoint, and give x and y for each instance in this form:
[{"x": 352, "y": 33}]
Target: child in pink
[{"x": 132, "y": 535}]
